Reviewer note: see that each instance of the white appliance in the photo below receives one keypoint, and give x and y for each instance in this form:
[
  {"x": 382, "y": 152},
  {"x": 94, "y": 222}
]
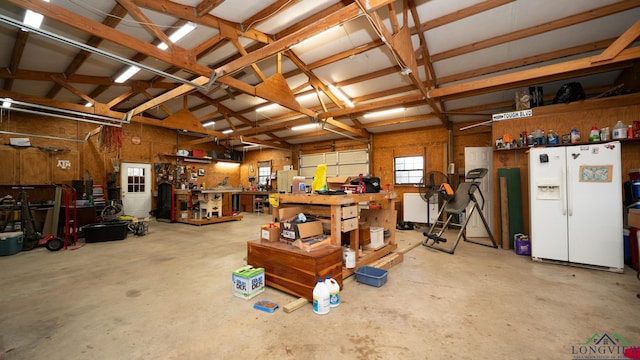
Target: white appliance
[
  {"x": 415, "y": 209},
  {"x": 575, "y": 197}
]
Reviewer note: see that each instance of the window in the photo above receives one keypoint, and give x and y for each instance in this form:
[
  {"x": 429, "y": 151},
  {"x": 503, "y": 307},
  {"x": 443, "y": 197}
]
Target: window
[
  {"x": 408, "y": 170},
  {"x": 135, "y": 180},
  {"x": 264, "y": 172}
]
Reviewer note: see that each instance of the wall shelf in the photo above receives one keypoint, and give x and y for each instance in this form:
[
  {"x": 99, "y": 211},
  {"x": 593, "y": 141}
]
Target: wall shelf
[{"x": 201, "y": 160}]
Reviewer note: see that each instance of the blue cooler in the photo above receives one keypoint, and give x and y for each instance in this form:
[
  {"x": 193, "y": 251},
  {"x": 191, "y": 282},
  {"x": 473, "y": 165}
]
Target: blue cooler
[{"x": 10, "y": 242}]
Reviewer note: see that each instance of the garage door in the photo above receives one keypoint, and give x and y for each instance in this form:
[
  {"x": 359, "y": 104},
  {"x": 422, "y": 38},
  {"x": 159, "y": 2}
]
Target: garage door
[{"x": 339, "y": 163}]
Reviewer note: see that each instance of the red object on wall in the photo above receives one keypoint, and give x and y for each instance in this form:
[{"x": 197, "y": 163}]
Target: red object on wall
[{"x": 197, "y": 153}]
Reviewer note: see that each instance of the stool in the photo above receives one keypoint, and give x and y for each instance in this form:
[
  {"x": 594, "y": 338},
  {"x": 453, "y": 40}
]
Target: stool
[{"x": 258, "y": 205}]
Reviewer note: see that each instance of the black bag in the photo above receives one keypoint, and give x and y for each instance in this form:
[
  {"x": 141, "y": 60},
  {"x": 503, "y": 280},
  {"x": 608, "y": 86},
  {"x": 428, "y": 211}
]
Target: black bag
[
  {"x": 371, "y": 184},
  {"x": 569, "y": 92}
]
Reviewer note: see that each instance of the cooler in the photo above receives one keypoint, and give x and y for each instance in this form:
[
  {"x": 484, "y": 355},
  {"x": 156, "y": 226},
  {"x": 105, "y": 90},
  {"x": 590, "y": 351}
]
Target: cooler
[{"x": 10, "y": 242}]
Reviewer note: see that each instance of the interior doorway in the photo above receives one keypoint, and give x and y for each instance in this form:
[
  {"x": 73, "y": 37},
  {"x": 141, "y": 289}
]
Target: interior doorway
[
  {"x": 481, "y": 157},
  {"x": 135, "y": 180}
]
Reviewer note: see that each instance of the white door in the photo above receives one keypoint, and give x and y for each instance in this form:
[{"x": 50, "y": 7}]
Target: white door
[
  {"x": 135, "y": 180},
  {"x": 474, "y": 158}
]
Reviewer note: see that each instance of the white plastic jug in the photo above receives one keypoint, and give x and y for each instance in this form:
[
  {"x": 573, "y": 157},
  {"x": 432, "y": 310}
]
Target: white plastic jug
[
  {"x": 321, "y": 298},
  {"x": 334, "y": 291}
]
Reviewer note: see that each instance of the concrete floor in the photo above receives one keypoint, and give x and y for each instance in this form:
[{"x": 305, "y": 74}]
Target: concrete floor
[{"x": 167, "y": 295}]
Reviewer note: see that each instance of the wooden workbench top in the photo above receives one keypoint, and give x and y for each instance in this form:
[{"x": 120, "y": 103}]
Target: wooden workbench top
[{"x": 345, "y": 199}]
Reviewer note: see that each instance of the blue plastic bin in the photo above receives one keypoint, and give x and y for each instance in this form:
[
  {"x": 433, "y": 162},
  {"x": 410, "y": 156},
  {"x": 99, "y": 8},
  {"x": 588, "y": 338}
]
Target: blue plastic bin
[{"x": 371, "y": 275}]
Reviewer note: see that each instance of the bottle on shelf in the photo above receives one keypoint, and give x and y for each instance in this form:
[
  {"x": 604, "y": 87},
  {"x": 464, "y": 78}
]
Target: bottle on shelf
[
  {"x": 575, "y": 136},
  {"x": 552, "y": 137},
  {"x": 619, "y": 130},
  {"x": 594, "y": 135},
  {"x": 630, "y": 132}
]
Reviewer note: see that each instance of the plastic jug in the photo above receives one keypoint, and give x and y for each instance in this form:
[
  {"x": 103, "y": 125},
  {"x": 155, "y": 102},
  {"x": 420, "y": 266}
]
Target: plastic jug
[
  {"x": 321, "y": 298},
  {"x": 334, "y": 291},
  {"x": 594, "y": 135},
  {"x": 620, "y": 130}
]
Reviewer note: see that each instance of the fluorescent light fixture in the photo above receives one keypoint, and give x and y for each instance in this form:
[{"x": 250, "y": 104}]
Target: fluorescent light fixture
[
  {"x": 179, "y": 34},
  {"x": 304, "y": 127},
  {"x": 228, "y": 131},
  {"x": 305, "y": 97},
  {"x": 226, "y": 164},
  {"x": 33, "y": 18},
  {"x": 209, "y": 123},
  {"x": 340, "y": 95},
  {"x": 132, "y": 70},
  {"x": 384, "y": 112},
  {"x": 88, "y": 104},
  {"x": 267, "y": 107},
  {"x": 6, "y": 103}
]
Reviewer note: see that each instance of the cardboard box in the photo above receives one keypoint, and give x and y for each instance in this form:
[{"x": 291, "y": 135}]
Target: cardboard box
[
  {"x": 304, "y": 230},
  {"x": 269, "y": 233},
  {"x": 633, "y": 219},
  {"x": 247, "y": 282},
  {"x": 336, "y": 183}
]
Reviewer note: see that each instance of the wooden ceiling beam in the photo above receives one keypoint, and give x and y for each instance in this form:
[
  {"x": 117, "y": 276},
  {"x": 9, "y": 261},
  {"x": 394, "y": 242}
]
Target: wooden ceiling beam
[
  {"x": 345, "y": 14},
  {"x": 530, "y": 76},
  {"x": 621, "y": 43},
  {"x": 62, "y": 82},
  {"x": 189, "y": 13},
  {"x": 16, "y": 55},
  {"x": 266, "y": 13},
  {"x": 539, "y": 29},
  {"x": 145, "y": 22},
  {"x": 206, "y": 6}
]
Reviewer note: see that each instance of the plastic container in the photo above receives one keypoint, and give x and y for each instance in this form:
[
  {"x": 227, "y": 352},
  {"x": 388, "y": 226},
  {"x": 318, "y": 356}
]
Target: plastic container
[
  {"x": 371, "y": 275},
  {"x": 594, "y": 135},
  {"x": 107, "y": 231},
  {"x": 349, "y": 258},
  {"x": 321, "y": 298},
  {"x": 11, "y": 242},
  {"x": 334, "y": 291},
  {"x": 619, "y": 130},
  {"x": 575, "y": 136},
  {"x": 552, "y": 138}
]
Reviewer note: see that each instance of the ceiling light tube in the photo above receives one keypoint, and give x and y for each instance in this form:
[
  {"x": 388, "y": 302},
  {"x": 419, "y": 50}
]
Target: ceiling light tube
[
  {"x": 304, "y": 127},
  {"x": 6, "y": 103},
  {"x": 33, "y": 18},
  {"x": 132, "y": 70},
  {"x": 179, "y": 34},
  {"x": 228, "y": 131},
  {"x": 340, "y": 95},
  {"x": 267, "y": 107},
  {"x": 209, "y": 123},
  {"x": 384, "y": 112}
]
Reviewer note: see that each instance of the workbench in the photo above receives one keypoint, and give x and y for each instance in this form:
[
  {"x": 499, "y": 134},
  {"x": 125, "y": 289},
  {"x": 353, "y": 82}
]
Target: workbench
[
  {"x": 205, "y": 206},
  {"x": 339, "y": 210}
]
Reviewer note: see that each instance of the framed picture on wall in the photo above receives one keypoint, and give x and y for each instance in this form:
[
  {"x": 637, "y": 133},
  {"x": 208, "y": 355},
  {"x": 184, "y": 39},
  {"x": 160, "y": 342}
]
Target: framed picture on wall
[{"x": 200, "y": 172}]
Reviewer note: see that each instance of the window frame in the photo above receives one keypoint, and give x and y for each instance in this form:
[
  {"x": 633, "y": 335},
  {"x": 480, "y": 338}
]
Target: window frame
[{"x": 412, "y": 179}]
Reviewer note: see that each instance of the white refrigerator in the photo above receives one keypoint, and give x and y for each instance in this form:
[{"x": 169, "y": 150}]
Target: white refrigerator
[{"x": 575, "y": 197}]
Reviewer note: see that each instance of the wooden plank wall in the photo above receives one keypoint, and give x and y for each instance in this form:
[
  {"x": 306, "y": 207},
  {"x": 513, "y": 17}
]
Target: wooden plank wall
[{"x": 562, "y": 118}]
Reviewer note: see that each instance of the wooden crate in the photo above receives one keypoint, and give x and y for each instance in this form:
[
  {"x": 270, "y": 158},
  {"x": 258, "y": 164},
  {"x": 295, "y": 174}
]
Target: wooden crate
[{"x": 293, "y": 270}]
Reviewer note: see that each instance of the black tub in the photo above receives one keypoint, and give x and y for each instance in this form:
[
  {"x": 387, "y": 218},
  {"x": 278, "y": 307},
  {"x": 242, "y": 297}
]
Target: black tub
[{"x": 107, "y": 231}]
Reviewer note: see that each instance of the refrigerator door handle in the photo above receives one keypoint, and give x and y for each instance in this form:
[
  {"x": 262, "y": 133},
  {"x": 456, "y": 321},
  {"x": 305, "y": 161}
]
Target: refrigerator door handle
[
  {"x": 563, "y": 191},
  {"x": 569, "y": 186}
]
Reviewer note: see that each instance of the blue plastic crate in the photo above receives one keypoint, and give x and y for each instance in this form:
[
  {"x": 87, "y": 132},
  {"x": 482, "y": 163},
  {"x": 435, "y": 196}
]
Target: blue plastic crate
[{"x": 371, "y": 275}]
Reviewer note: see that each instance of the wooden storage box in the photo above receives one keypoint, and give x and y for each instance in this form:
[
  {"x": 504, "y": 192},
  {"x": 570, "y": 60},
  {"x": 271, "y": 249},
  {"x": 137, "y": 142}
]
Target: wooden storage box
[{"x": 293, "y": 270}]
